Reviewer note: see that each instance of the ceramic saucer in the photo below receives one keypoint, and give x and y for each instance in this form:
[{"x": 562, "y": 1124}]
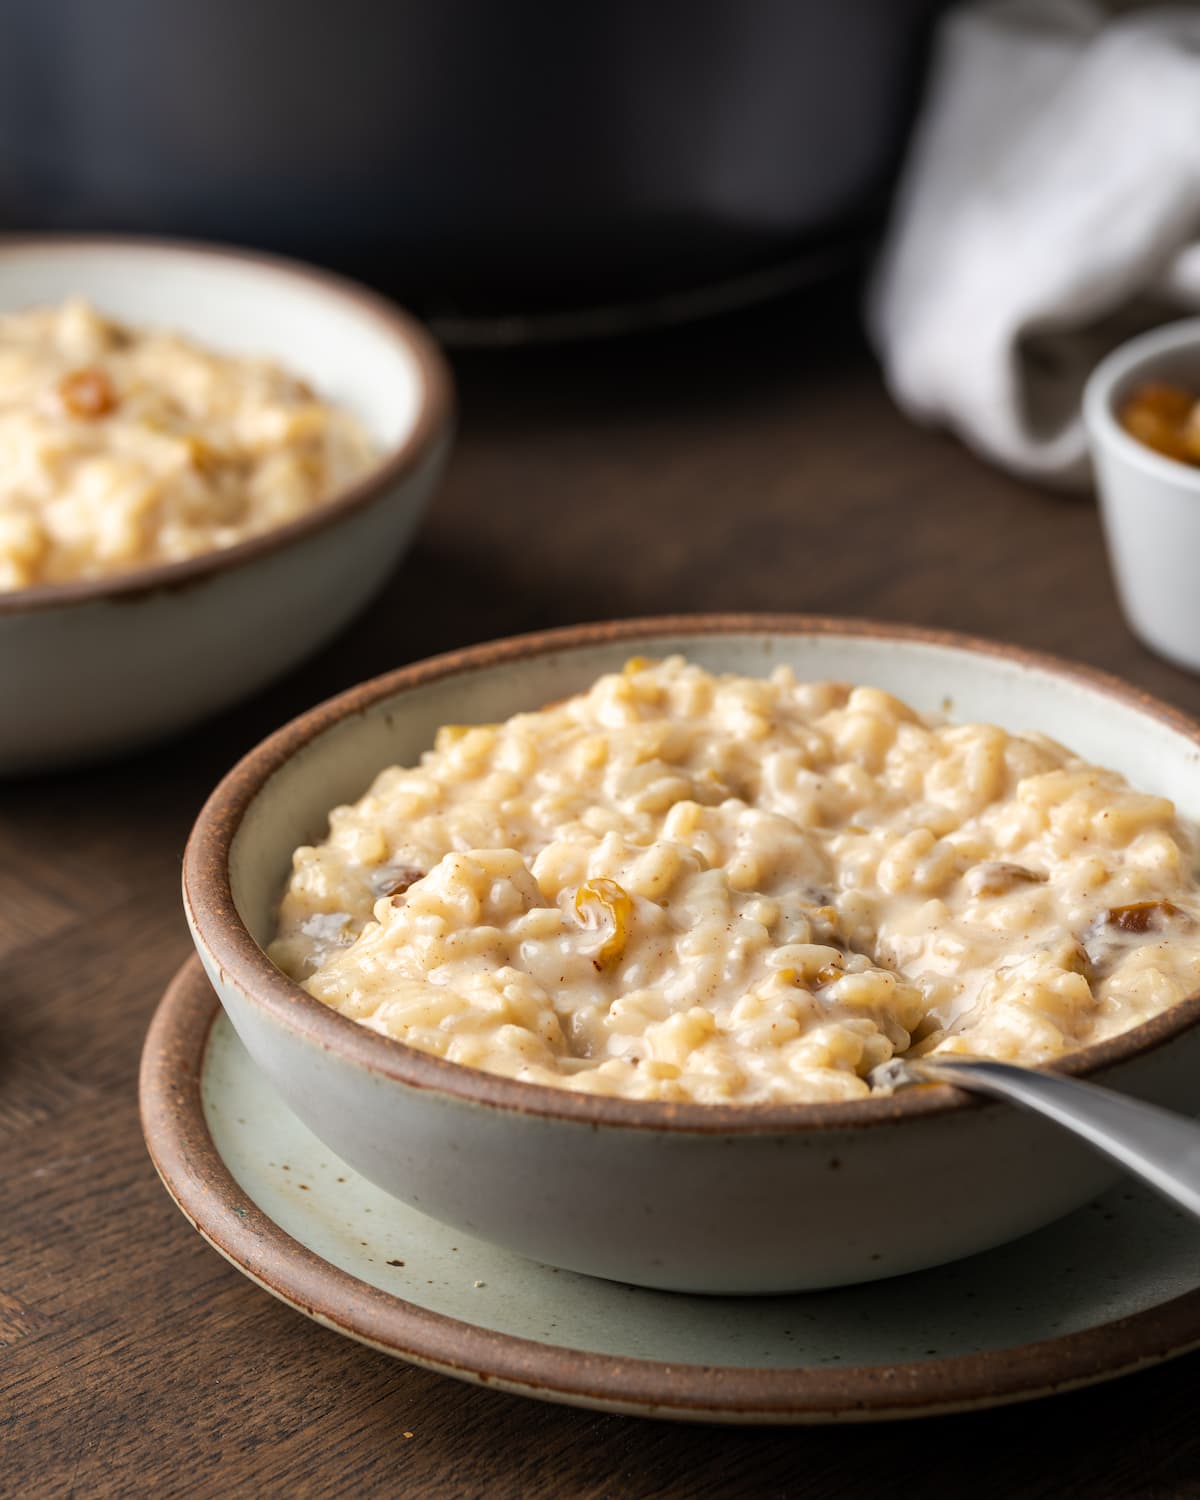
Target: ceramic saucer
[{"x": 1111, "y": 1289}]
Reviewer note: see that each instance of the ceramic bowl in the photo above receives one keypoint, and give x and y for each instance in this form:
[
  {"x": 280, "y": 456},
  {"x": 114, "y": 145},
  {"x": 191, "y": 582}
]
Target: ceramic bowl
[
  {"x": 692, "y": 1197},
  {"x": 1150, "y": 504},
  {"x": 92, "y": 668}
]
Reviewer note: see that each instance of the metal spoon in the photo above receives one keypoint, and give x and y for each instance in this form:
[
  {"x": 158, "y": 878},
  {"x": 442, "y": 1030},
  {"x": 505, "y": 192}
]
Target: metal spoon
[{"x": 1161, "y": 1148}]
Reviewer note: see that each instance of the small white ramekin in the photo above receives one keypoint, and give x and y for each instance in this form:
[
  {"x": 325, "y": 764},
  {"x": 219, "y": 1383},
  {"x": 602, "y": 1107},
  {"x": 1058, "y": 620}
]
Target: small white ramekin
[{"x": 1150, "y": 504}]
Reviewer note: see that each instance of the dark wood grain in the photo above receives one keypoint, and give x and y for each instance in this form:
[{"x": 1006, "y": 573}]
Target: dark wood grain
[{"x": 754, "y": 463}]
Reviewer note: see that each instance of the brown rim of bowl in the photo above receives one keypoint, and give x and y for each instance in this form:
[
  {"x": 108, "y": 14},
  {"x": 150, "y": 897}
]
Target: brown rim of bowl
[
  {"x": 208, "y": 897},
  {"x": 194, "y": 1174},
  {"x": 433, "y": 419}
]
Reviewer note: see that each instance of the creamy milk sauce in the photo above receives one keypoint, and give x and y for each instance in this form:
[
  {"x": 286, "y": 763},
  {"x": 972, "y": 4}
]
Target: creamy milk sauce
[
  {"x": 684, "y": 886},
  {"x": 120, "y": 447}
]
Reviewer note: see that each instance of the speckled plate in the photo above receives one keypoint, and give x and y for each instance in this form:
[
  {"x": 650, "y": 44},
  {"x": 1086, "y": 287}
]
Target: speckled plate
[{"x": 1113, "y": 1288}]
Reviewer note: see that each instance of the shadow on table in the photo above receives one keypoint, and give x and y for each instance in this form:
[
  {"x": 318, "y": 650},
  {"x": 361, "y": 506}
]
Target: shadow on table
[{"x": 1136, "y": 1437}]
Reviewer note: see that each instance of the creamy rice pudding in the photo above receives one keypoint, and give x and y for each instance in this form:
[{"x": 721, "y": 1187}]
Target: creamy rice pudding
[
  {"x": 685, "y": 886},
  {"x": 122, "y": 447}
]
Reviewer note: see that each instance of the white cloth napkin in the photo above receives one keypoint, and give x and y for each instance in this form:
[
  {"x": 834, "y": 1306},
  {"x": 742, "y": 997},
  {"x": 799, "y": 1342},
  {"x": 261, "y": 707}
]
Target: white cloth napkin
[{"x": 1050, "y": 207}]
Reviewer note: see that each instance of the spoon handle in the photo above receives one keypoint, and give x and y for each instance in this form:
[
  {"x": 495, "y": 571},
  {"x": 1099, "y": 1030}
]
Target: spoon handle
[{"x": 1161, "y": 1148}]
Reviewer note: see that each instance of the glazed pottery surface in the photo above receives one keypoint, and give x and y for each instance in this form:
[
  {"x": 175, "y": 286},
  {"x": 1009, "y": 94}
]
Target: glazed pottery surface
[
  {"x": 1150, "y": 504},
  {"x": 91, "y": 669},
  {"x": 1112, "y": 1287},
  {"x": 688, "y": 1197}
]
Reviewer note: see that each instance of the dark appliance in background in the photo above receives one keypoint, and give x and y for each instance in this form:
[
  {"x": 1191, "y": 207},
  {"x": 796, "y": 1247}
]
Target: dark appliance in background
[{"x": 477, "y": 159}]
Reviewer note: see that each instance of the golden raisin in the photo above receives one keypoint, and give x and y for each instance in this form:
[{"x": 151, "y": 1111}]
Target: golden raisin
[
  {"x": 1140, "y": 916},
  {"x": 397, "y": 880},
  {"x": 995, "y": 877},
  {"x": 87, "y": 393},
  {"x": 1171, "y": 402},
  {"x": 604, "y": 901},
  {"x": 1164, "y": 417}
]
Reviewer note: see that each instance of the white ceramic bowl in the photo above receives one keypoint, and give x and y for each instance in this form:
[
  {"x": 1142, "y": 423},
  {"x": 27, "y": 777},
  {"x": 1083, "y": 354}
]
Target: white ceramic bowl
[
  {"x": 1150, "y": 504},
  {"x": 695, "y": 1197},
  {"x": 89, "y": 669}
]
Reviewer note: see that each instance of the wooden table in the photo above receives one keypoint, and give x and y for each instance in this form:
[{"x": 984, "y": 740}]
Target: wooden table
[{"x": 753, "y": 463}]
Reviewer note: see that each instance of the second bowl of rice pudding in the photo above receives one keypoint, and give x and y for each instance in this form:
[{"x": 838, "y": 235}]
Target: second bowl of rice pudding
[
  {"x": 587, "y": 943},
  {"x": 209, "y": 462}
]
